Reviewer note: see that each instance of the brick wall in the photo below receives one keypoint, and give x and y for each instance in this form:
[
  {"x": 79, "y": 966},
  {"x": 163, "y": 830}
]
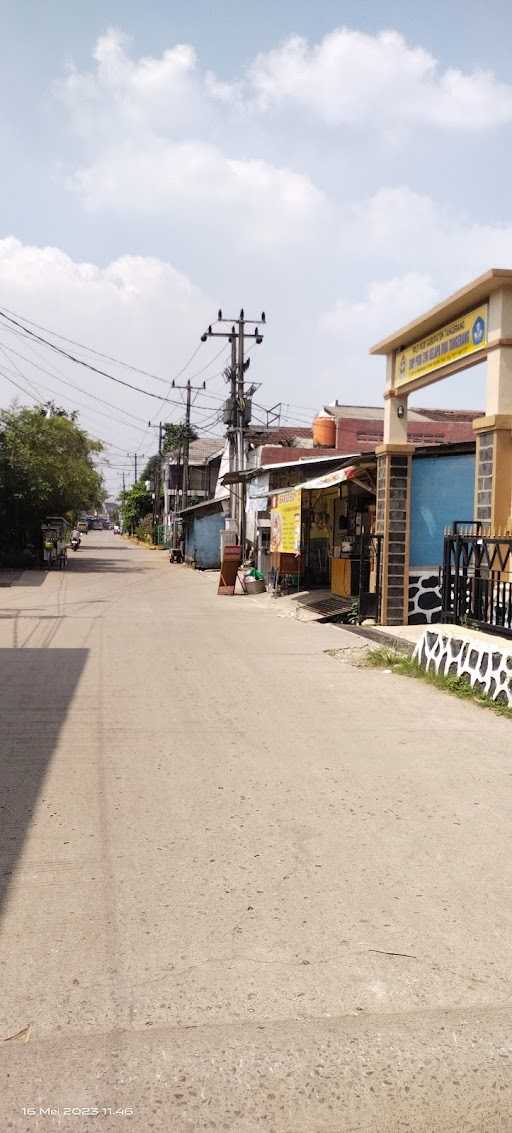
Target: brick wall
[
  {"x": 355, "y": 434},
  {"x": 485, "y": 465},
  {"x": 358, "y": 434},
  {"x": 392, "y": 500}
]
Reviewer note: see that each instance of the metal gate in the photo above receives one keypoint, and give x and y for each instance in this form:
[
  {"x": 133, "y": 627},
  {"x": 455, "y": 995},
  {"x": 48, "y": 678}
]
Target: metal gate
[{"x": 477, "y": 579}]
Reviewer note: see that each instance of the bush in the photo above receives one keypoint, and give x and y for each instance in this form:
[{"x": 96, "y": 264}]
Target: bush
[{"x": 144, "y": 530}]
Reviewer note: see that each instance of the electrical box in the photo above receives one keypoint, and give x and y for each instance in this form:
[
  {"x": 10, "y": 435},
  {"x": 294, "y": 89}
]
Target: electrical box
[{"x": 229, "y": 412}]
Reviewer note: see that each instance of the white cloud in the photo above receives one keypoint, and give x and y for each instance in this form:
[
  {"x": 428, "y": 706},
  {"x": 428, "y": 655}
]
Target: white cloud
[
  {"x": 142, "y": 121},
  {"x": 47, "y": 276},
  {"x": 388, "y": 304},
  {"x": 266, "y": 205},
  {"x": 136, "y": 95},
  {"x": 261, "y": 207},
  {"x": 136, "y": 308},
  {"x": 350, "y": 77},
  {"x": 406, "y": 228},
  {"x": 347, "y": 78},
  {"x": 396, "y": 229},
  {"x": 151, "y": 130}
]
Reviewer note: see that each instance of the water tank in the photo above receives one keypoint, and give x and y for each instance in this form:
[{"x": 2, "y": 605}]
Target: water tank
[{"x": 324, "y": 430}]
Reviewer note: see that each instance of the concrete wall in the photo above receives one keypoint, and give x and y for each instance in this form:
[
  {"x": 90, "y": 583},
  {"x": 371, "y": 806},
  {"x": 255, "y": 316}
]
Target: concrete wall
[
  {"x": 442, "y": 491},
  {"x": 453, "y": 652},
  {"x": 202, "y": 539},
  {"x": 425, "y": 603}
]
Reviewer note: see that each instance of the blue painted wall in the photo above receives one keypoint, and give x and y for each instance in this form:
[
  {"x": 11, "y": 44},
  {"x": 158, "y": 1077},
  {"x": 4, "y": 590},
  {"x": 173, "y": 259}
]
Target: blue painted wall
[
  {"x": 203, "y": 537},
  {"x": 442, "y": 490}
]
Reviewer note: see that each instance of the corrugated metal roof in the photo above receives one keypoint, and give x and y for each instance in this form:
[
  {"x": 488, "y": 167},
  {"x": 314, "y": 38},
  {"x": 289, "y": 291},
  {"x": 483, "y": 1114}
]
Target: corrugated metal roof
[
  {"x": 376, "y": 413},
  {"x": 236, "y": 476},
  {"x": 277, "y": 433},
  {"x": 201, "y": 450},
  {"x": 365, "y": 413}
]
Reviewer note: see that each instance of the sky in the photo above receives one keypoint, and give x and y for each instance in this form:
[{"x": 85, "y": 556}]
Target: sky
[{"x": 342, "y": 166}]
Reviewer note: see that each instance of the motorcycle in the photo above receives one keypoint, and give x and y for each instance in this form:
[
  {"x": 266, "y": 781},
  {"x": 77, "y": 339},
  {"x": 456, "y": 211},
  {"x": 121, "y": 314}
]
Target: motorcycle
[{"x": 75, "y": 542}]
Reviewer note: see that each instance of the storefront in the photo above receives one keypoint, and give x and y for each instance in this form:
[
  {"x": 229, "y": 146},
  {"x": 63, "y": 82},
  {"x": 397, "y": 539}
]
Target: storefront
[
  {"x": 319, "y": 527},
  {"x": 338, "y": 512}
]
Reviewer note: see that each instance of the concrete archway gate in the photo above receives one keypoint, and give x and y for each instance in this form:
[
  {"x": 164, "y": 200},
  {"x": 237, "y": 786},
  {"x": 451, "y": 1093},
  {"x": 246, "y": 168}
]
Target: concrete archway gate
[{"x": 471, "y": 326}]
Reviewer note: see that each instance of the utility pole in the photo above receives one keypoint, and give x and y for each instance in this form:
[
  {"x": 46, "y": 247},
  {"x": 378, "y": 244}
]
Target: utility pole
[
  {"x": 157, "y": 477},
  {"x": 239, "y": 425},
  {"x": 186, "y": 447},
  {"x": 238, "y": 408},
  {"x": 234, "y": 508},
  {"x": 134, "y": 454},
  {"x": 186, "y": 440}
]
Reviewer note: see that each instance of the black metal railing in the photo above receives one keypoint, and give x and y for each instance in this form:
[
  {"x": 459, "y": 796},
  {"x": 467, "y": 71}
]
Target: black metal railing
[
  {"x": 370, "y": 564},
  {"x": 477, "y": 579}
]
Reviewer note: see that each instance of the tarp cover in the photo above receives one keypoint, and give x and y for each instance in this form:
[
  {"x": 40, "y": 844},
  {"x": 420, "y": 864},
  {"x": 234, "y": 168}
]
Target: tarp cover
[{"x": 329, "y": 479}]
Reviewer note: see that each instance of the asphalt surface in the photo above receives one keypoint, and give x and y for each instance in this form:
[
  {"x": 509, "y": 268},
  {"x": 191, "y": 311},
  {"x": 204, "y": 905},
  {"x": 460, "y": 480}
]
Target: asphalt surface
[{"x": 245, "y": 884}]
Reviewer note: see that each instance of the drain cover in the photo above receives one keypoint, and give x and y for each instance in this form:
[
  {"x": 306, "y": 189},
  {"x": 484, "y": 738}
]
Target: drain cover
[{"x": 327, "y": 607}]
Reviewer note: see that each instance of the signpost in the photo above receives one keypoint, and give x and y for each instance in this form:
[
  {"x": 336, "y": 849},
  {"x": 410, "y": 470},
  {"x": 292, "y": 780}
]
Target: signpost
[
  {"x": 459, "y": 339},
  {"x": 285, "y": 523},
  {"x": 231, "y": 563}
]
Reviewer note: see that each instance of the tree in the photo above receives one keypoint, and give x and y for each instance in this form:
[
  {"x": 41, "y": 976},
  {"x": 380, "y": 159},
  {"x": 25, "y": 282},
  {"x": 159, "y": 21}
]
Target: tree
[
  {"x": 136, "y": 503},
  {"x": 175, "y": 436},
  {"x": 153, "y": 464},
  {"x": 53, "y": 410},
  {"x": 46, "y": 468}
]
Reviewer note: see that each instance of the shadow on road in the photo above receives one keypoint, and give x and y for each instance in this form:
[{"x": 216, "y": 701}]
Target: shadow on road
[
  {"x": 36, "y": 690},
  {"x": 22, "y": 577},
  {"x": 111, "y": 566}
]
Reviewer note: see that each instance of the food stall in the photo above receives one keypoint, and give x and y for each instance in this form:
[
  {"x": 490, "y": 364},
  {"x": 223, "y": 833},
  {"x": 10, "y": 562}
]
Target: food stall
[{"x": 56, "y": 535}]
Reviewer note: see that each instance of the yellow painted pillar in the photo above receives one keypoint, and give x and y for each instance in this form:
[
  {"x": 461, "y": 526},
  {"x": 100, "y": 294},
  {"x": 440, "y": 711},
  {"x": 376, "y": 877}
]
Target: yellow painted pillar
[{"x": 493, "y": 466}]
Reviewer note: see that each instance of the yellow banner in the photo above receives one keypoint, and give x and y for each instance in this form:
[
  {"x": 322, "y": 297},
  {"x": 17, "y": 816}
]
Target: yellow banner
[
  {"x": 457, "y": 339},
  {"x": 285, "y": 523}
]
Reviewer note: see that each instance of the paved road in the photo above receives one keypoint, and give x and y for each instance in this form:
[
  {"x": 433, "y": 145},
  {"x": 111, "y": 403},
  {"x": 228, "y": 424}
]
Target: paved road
[{"x": 246, "y": 885}]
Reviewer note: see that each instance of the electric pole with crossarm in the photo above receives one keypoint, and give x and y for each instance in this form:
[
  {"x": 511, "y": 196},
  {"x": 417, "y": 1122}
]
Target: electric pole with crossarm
[
  {"x": 237, "y": 408},
  {"x": 186, "y": 441}
]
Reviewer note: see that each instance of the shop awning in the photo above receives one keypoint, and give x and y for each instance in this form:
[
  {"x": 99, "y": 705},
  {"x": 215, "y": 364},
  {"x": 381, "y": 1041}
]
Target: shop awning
[{"x": 330, "y": 479}]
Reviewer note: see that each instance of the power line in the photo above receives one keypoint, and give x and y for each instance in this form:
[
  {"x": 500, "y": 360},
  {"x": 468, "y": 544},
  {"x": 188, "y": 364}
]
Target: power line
[
  {"x": 41, "y": 403},
  {"x": 25, "y": 391},
  {"x": 173, "y": 381},
  {"x": 58, "y": 377},
  {"x": 88, "y": 365},
  {"x": 212, "y": 378},
  {"x": 71, "y": 401},
  {"x": 98, "y": 353}
]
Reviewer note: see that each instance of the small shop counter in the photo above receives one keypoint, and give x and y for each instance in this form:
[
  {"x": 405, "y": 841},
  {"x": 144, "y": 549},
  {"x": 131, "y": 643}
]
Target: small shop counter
[{"x": 341, "y": 576}]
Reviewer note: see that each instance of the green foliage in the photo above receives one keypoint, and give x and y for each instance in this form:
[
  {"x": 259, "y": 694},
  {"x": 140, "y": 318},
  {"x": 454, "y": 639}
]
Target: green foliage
[
  {"x": 53, "y": 410},
  {"x": 135, "y": 504},
  {"x": 175, "y": 436},
  {"x": 144, "y": 529},
  {"x": 46, "y": 468},
  {"x": 351, "y": 617},
  {"x": 152, "y": 465}
]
